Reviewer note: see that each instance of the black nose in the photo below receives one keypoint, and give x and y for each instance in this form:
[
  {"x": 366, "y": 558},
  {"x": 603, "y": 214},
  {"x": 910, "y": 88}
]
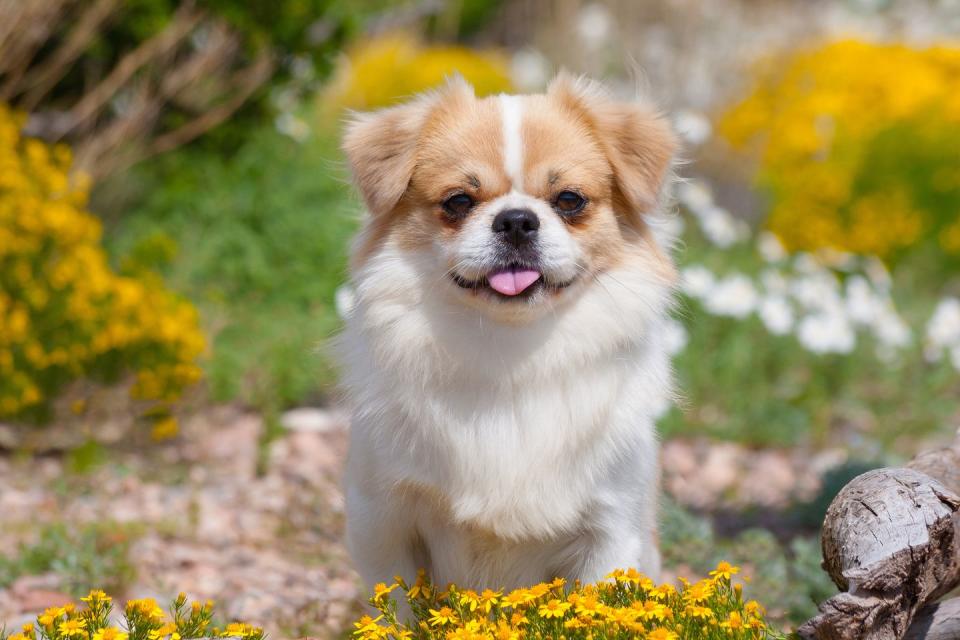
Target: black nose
[{"x": 516, "y": 226}]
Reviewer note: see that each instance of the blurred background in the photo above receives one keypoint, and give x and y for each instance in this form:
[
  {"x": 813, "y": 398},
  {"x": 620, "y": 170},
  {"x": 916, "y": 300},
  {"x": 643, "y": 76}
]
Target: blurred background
[{"x": 174, "y": 220}]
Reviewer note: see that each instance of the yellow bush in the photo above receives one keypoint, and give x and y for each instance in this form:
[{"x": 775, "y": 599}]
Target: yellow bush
[
  {"x": 64, "y": 313},
  {"x": 386, "y": 70},
  {"x": 857, "y": 146},
  {"x": 625, "y": 605}
]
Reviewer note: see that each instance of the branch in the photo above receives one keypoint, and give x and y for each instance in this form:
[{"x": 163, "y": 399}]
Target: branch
[
  {"x": 182, "y": 23},
  {"x": 38, "y": 83}
]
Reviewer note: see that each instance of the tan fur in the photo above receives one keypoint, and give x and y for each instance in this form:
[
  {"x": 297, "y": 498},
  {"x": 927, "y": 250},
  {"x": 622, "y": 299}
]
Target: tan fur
[
  {"x": 502, "y": 437},
  {"x": 407, "y": 159}
]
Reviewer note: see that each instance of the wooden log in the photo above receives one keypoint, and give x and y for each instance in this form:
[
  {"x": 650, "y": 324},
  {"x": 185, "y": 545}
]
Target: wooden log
[
  {"x": 891, "y": 542},
  {"x": 939, "y": 621}
]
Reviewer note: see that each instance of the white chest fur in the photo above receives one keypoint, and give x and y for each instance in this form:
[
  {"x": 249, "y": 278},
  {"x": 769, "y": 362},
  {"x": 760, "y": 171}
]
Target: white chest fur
[{"x": 482, "y": 432}]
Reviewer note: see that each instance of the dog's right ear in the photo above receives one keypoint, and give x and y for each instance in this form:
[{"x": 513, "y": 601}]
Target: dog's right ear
[{"x": 381, "y": 146}]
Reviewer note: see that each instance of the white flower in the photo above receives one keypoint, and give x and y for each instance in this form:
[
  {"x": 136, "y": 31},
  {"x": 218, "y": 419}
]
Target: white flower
[
  {"x": 943, "y": 329},
  {"x": 776, "y": 314},
  {"x": 696, "y": 281},
  {"x": 955, "y": 357},
  {"x": 863, "y": 306},
  {"x": 805, "y": 263},
  {"x": 721, "y": 228},
  {"x": 774, "y": 282},
  {"x": 675, "y": 336},
  {"x": 734, "y": 296},
  {"x": 695, "y": 196},
  {"x": 594, "y": 24},
  {"x": 818, "y": 291},
  {"x": 290, "y": 125},
  {"x": 770, "y": 247},
  {"x": 529, "y": 70},
  {"x": 827, "y": 333},
  {"x": 890, "y": 329},
  {"x": 692, "y": 126},
  {"x": 878, "y": 273}
]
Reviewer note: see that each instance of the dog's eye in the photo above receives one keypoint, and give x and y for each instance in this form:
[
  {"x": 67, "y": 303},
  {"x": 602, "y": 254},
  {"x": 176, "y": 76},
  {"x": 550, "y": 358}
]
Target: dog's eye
[
  {"x": 569, "y": 203},
  {"x": 458, "y": 206}
]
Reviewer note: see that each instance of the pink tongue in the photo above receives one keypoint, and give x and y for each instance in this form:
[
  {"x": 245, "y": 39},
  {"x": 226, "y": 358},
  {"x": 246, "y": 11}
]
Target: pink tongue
[{"x": 510, "y": 282}]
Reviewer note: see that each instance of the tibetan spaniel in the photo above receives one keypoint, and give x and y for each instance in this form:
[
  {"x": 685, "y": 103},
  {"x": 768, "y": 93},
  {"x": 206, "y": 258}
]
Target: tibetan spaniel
[{"x": 504, "y": 358}]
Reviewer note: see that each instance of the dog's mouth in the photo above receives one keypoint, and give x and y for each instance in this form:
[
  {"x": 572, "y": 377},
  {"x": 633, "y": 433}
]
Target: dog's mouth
[{"x": 512, "y": 282}]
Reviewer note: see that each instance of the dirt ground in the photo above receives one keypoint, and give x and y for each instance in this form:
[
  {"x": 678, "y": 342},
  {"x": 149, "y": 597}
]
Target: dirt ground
[{"x": 259, "y": 529}]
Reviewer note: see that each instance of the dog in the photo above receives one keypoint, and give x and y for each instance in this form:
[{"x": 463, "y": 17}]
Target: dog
[{"x": 503, "y": 357}]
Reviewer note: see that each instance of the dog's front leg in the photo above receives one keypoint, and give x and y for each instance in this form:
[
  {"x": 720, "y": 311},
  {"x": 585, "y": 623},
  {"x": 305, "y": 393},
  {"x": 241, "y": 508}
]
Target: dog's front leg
[{"x": 382, "y": 537}]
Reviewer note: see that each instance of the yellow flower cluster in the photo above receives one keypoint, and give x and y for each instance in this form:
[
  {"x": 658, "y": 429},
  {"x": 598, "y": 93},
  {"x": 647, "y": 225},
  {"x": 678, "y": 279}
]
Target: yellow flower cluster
[
  {"x": 626, "y": 604},
  {"x": 65, "y": 314},
  {"x": 143, "y": 620},
  {"x": 386, "y": 70},
  {"x": 857, "y": 146}
]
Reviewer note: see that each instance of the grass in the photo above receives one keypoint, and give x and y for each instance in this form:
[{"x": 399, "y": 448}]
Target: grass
[
  {"x": 84, "y": 558},
  {"x": 258, "y": 241},
  {"x": 784, "y": 575}
]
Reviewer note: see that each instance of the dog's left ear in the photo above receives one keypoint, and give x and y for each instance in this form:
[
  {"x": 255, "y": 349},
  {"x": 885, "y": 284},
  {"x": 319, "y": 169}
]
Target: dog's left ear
[
  {"x": 381, "y": 145},
  {"x": 637, "y": 140}
]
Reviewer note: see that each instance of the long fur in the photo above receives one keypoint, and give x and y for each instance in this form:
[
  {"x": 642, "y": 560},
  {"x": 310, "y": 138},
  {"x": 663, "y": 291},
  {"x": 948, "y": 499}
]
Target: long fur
[{"x": 500, "y": 453}]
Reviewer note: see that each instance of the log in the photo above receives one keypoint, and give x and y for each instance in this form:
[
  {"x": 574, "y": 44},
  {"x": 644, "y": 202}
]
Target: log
[{"x": 891, "y": 543}]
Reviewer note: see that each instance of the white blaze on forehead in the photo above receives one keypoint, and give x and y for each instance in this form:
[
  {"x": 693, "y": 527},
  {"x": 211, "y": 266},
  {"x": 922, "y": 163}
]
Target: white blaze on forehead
[{"x": 512, "y": 110}]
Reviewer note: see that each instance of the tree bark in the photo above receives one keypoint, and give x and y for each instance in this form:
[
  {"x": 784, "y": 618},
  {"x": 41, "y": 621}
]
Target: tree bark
[{"x": 891, "y": 542}]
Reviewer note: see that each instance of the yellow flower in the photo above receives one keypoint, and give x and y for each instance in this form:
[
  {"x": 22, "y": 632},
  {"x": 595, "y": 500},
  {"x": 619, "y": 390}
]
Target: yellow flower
[
  {"x": 699, "y": 592},
  {"x": 366, "y": 624},
  {"x": 420, "y": 588},
  {"x": 651, "y": 610},
  {"x": 518, "y": 619},
  {"x": 146, "y": 607},
  {"x": 623, "y": 616},
  {"x": 489, "y": 599},
  {"x": 554, "y": 608},
  {"x": 662, "y": 634},
  {"x": 506, "y": 632},
  {"x": 539, "y": 590},
  {"x": 165, "y": 630},
  {"x": 663, "y": 592},
  {"x": 754, "y": 608},
  {"x": 733, "y": 622},
  {"x": 443, "y": 616},
  {"x": 724, "y": 571},
  {"x": 110, "y": 633},
  {"x": 696, "y": 611},
  {"x": 70, "y": 628},
  {"x": 517, "y": 597},
  {"x": 240, "y": 630},
  {"x": 96, "y": 596},
  {"x": 399, "y": 633},
  {"x": 381, "y": 590},
  {"x": 470, "y": 599},
  {"x": 588, "y": 606},
  {"x": 382, "y": 71}
]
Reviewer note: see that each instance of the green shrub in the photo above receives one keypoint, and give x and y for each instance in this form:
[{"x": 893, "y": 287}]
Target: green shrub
[{"x": 261, "y": 243}]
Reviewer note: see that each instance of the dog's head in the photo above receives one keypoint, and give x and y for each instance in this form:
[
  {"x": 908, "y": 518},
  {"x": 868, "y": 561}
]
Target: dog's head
[{"x": 515, "y": 203}]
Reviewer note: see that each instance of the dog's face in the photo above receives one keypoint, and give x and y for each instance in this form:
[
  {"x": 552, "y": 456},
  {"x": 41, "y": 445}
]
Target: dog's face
[{"x": 516, "y": 203}]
